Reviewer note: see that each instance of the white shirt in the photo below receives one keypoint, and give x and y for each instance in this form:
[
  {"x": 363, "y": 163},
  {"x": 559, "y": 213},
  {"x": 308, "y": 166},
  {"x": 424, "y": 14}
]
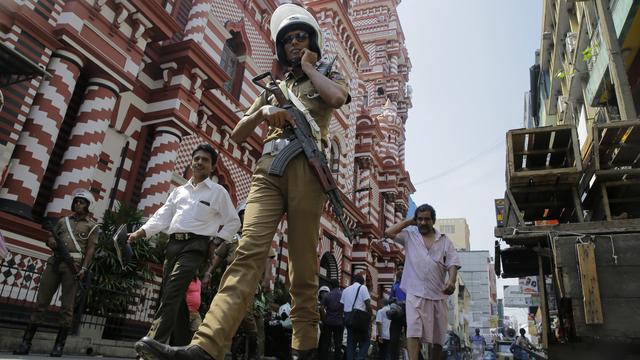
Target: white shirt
[
  {"x": 349, "y": 294},
  {"x": 381, "y": 318},
  {"x": 199, "y": 209}
]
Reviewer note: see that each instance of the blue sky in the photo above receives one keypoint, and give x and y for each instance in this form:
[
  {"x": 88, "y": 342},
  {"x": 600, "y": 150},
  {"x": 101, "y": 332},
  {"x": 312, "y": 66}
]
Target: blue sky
[{"x": 470, "y": 70}]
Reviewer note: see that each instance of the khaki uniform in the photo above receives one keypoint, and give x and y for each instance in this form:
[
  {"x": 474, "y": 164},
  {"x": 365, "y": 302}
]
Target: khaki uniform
[
  {"x": 58, "y": 272},
  {"x": 299, "y": 194}
]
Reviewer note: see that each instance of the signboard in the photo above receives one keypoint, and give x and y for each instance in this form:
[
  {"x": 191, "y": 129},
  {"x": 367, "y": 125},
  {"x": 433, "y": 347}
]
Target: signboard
[
  {"x": 514, "y": 297},
  {"x": 499, "y": 204},
  {"x": 529, "y": 284}
]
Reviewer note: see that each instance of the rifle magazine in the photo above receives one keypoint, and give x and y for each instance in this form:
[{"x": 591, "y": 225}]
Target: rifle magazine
[{"x": 285, "y": 155}]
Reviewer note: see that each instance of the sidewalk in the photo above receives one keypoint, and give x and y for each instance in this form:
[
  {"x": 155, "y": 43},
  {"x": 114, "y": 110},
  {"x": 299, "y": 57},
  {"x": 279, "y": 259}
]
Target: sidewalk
[{"x": 4, "y": 356}]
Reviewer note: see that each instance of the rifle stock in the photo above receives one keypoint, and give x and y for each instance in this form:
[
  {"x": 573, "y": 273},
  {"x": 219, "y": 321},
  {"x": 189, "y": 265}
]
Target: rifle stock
[
  {"x": 61, "y": 252},
  {"x": 305, "y": 142}
]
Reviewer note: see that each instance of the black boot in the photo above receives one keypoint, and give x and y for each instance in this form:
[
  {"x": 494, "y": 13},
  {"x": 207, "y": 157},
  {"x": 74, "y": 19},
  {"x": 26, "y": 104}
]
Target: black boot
[
  {"x": 25, "y": 345},
  {"x": 61, "y": 339},
  {"x": 150, "y": 349},
  {"x": 311, "y": 354}
]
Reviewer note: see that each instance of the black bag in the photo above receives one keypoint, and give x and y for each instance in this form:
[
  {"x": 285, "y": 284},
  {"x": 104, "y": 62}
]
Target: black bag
[{"x": 357, "y": 320}]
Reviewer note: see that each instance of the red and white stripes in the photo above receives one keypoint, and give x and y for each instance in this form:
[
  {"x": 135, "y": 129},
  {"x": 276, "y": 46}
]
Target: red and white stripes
[
  {"x": 33, "y": 150},
  {"x": 85, "y": 144},
  {"x": 197, "y": 21},
  {"x": 157, "y": 178}
]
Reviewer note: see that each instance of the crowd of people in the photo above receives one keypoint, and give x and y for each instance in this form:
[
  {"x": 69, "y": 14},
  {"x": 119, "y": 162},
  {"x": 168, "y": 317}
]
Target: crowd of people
[{"x": 206, "y": 228}]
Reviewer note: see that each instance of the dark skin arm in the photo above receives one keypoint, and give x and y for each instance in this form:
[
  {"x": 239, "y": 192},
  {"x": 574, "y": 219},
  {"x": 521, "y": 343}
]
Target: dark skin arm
[
  {"x": 332, "y": 94},
  {"x": 88, "y": 256}
]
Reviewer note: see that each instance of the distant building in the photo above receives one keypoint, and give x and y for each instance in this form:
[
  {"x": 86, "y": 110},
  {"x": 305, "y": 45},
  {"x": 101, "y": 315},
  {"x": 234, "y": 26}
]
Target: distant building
[
  {"x": 457, "y": 230},
  {"x": 475, "y": 274}
]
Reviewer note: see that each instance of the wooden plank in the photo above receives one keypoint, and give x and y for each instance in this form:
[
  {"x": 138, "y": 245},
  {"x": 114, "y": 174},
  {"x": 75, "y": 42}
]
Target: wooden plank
[
  {"x": 625, "y": 226},
  {"x": 589, "y": 279},
  {"x": 605, "y": 202}
]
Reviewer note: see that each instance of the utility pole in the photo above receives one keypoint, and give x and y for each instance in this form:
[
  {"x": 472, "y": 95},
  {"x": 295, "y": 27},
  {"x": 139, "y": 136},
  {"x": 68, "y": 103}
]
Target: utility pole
[{"x": 616, "y": 63}]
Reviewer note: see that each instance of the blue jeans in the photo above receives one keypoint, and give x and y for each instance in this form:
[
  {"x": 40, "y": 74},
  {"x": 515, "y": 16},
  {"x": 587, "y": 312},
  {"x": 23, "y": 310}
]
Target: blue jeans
[{"x": 357, "y": 345}]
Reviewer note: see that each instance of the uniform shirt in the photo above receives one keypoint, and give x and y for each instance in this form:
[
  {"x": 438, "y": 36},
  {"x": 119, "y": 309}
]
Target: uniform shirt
[
  {"x": 81, "y": 228},
  {"x": 381, "y": 318},
  {"x": 305, "y": 91},
  {"x": 199, "y": 209},
  {"x": 333, "y": 308},
  {"x": 425, "y": 269},
  {"x": 349, "y": 294}
]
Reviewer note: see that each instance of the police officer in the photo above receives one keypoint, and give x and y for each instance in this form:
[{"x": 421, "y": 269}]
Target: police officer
[
  {"x": 192, "y": 215},
  {"x": 298, "y": 192},
  {"x": 78, "y": 234}
]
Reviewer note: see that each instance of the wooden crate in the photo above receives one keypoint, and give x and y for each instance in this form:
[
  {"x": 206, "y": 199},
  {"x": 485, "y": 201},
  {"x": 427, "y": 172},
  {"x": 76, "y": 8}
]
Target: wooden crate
[
  {"x": 526, "y": 205},
  {"x": 543, "y": 156},
  {"x": 616, "y": 150}
]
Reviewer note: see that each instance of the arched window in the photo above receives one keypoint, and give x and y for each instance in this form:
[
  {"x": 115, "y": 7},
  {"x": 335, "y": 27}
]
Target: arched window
[{"x": 334, "y": 164}]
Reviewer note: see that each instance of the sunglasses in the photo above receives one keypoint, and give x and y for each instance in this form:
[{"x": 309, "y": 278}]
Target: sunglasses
[{"x": 299, "y": 37}]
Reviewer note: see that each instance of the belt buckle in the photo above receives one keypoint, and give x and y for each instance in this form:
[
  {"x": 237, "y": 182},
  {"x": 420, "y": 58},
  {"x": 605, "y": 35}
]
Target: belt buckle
[{"x": 180, "y": 236}]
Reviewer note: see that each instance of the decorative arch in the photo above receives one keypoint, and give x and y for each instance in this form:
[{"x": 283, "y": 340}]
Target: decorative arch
[
  {"x": 225, "y": 180},
  {"x": 329, "y": 270}
]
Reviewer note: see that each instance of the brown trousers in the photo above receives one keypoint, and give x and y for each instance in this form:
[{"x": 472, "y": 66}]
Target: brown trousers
[
  {"x": 299, "y": 194},
  {"x": 52, "y": 276}
]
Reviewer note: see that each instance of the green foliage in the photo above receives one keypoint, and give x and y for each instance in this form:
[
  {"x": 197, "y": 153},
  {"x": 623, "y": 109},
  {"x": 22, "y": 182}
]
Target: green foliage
[
  {"x": 114, "y": 287},
  {"x": 587, "y": 53},
  {"x": 562, "y": 74},
  {"x": 281, "y": 293}
]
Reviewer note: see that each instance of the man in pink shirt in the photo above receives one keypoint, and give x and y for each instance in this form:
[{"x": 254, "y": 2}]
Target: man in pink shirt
[{"x": 429, "y": 257}]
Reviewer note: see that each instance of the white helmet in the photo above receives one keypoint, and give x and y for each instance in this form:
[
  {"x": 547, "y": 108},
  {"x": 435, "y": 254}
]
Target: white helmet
[
  {"x": 84, "y": 194},
  {"x": 288, "y": 17}
]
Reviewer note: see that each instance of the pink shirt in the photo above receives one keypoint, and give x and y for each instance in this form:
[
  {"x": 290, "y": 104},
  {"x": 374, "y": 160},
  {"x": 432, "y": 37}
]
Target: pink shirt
[
  {"x": 193, "y": 295},
  {"x": 425, "y": 270}
]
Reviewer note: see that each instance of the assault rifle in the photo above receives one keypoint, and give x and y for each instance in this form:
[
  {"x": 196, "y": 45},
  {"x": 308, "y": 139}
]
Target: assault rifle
[
  {"x": 61, "y": 252},
  {"x": 303, "y": 141}
]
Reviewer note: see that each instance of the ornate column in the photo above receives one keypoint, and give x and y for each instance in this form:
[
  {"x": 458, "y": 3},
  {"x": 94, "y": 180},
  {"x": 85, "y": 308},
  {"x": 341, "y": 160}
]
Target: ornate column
[
  {"x": 197, "y": 21},
  {"x": 85, "y": 144},
  {"x": 157, "y": 178},
  {"x": 33, "y": 149}
]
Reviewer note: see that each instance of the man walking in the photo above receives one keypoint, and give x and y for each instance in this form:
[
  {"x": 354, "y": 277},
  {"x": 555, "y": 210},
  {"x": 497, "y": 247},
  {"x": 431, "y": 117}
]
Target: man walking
[
  {"x": 397, "y": 299},
  {"x": 356, "y": 298},
  {"x": 298, "y": 42},
  {"x": 77, "y": 236},
  {"x": 430, "y": 256},
  {"x": 333, "y": 324},
  {"x": 478, "y": 343},
  {"x": 193, "y": 213},
  {"x": 383, "y": 324}
]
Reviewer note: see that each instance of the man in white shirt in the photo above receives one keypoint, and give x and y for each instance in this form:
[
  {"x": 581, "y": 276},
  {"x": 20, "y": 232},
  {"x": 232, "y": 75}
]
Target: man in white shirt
[
  {"x": 357, "y": 297},
  {"x": 192, "y": 215},
  {"x": 383, "y": 337}
]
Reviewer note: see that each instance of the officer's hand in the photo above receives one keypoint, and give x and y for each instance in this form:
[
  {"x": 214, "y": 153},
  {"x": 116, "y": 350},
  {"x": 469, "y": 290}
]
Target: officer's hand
[
  {"x": 308, "y": 57},
  {"x": 206, "y": 279},
  {"x": 80, "y": 274},
  {"x": 135, "y": 236},
  {"x": 51, "y": 243},
  {"x": 277, "y": 117}
]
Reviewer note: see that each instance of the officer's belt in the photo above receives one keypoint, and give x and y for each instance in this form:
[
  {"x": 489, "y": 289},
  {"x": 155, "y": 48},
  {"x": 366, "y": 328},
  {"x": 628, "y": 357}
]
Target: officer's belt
[{"x": 187, "y": 236}]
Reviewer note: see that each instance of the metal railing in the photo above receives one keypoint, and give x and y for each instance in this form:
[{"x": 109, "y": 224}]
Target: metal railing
[{"x": 19, "y": 285}]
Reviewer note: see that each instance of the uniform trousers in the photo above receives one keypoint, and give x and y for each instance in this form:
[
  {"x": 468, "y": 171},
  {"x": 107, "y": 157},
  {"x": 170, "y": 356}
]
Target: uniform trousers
[
  {"x": 299, "y": 194},
  {"x": 53, "y": 276}
]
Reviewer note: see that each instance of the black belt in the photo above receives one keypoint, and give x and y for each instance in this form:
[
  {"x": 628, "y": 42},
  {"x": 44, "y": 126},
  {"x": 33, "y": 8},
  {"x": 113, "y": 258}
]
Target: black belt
[{"x": 187, "y": 236}]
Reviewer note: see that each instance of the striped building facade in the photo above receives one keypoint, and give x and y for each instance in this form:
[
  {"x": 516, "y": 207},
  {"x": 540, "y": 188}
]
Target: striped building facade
[{"x": 136, "y": 85}]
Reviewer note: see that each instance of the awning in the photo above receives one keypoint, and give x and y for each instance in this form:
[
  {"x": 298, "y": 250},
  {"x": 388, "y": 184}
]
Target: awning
[{"x": 15, "y": 67}]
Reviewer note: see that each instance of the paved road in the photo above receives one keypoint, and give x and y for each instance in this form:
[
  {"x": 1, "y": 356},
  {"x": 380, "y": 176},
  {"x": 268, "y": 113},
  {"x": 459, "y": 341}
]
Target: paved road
[{"x": 4, "y": 356}]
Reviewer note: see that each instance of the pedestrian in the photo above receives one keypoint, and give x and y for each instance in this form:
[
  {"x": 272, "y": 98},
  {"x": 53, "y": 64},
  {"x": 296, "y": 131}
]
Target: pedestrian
[
  {"x": 478, "y": 343},
  {"x": 73, "y": 242},
  {"x": 397, "y": 299},
  {"x": 520, "y": 346},
  {"x": 193, "y": 215},
  {"x": 332, "y": 330},
  {"x": 357, "y": 302},
  {"x": 383, "y": 335},
  {"x": 298, "y": 193},
  {"x": 429, "y": 257}
]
